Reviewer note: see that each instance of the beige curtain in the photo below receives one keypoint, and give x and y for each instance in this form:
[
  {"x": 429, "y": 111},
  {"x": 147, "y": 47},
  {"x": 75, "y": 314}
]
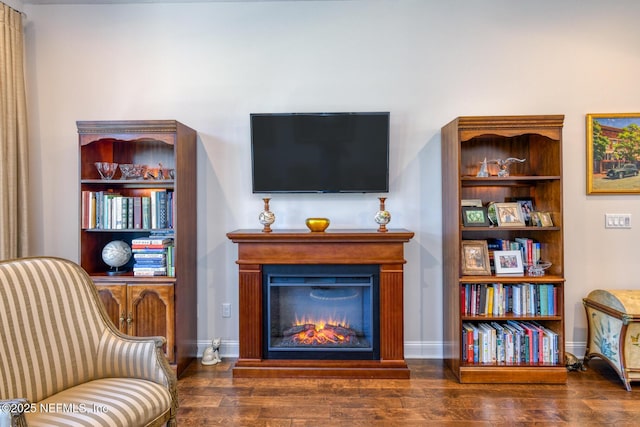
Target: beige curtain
[{"x": 13, "y": 137}]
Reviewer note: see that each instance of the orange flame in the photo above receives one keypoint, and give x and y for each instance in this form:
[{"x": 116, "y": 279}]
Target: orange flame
[{"x": 323, "y": 331}]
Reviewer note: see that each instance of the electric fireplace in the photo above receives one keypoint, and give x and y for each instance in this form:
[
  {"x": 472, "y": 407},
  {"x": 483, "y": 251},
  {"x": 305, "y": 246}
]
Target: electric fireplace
[
  {"x": 327, "y": 304},
  {"x": 321, "y": 312}
]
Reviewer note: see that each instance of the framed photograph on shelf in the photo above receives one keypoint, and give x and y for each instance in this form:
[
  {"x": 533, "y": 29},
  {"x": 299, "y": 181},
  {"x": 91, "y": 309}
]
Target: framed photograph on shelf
[
  {"x": 612, "y": 162},
  {"x": 471, "y": 202},
  {"x": 509, "y": 214},
  {"x": 473, "y": 216},
  {"x": 526, "y": 206},
  {"x": 475, "y": 258},
  {"x": 542, "y": 219},
  {"x": 508, "y": 262}
]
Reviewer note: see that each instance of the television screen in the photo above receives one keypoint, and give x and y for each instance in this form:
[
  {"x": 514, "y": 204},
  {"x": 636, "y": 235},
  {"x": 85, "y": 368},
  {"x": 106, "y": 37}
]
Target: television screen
[{"x": 320, "y": 152}]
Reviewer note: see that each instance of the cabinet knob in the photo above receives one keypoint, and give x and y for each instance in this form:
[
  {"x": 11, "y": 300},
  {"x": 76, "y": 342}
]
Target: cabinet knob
[
  {"x": 130, "y": 319},
  {"x": 122, "y": 318}
]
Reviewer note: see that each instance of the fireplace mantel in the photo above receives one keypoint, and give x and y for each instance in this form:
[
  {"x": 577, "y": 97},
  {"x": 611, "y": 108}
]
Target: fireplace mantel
[{"x": 256, "y": 248}]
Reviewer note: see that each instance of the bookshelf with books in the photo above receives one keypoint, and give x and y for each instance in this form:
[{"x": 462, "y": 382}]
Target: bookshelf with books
[
  {"x": 504, "y": 327},
  {"x": 150, "y": 204}
]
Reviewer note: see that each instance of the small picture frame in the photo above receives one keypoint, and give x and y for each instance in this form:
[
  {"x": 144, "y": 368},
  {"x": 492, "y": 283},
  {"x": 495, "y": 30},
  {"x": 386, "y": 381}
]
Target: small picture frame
[
  {"x": 475, "y": 258},
  {"x": 509, "y": 215},
  {"x": 471, "y": 202},
  {"x": 473, "y": 216},
  {"x": 526, "y": 206},
  {"x": 542, "y": 219},
  {"x": 508, "y": 262}
]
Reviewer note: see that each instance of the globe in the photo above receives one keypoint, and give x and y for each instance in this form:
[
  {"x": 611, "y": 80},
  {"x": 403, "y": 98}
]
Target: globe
[{"x": 116, "y": 254}]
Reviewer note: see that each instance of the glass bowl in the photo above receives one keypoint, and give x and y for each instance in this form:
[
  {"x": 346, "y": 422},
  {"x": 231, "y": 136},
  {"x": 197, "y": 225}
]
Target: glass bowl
[
  {"x": 106, "y": 169},
  {"x": 139, "y": 171},
  {"x": 538, "y": 268},
  {"x": 127, "y": 170}
]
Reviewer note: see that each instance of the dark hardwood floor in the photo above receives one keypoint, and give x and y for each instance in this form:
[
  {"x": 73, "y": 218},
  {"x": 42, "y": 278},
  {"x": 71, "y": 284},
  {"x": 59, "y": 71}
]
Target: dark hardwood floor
[{"x": 209, "y": 396}]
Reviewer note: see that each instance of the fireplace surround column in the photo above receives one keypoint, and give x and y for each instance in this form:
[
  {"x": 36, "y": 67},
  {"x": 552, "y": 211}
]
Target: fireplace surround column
[{"x": 299, "y": 247}]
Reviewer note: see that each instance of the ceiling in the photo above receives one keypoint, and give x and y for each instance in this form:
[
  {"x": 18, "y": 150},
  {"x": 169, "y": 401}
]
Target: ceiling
[{"x": 146, "y": 1}]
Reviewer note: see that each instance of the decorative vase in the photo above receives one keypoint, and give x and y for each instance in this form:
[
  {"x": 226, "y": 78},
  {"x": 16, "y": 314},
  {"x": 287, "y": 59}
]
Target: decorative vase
[
  {"x": 382, "y": 216},
  {"x": 266, "y": 217}
]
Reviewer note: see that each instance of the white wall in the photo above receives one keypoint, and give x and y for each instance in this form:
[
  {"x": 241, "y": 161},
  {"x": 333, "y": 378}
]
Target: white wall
[{"x": 211, "y": 64}]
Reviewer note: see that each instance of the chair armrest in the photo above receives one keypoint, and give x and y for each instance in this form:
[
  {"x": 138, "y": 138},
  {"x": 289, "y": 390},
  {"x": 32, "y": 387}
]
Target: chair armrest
[
  {"x": 126, "y": 356},
  {"x": 12, "y": 412}
]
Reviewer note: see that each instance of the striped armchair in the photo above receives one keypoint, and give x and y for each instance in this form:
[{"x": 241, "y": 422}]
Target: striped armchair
[{"x": 62, "y": 362}]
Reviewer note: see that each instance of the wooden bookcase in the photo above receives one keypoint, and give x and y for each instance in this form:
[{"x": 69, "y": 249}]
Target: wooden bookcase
[
  {"x": 466, "y": 142},
  {"x": 144, "y": 306}
]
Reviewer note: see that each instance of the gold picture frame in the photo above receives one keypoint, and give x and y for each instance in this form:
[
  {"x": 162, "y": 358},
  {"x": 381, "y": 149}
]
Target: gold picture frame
[
  {"x": 509, "y": 214},
  {"x": 541, "y": 219},
  {"x": 613, "y": 139},
  {"x": 475, "y": 258}
]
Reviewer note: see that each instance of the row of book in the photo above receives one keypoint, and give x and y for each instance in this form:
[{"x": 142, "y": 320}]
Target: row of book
[
  {"x": 153, "y": 255},
  {"x": 529, "y": 248},
  {"x": 112, "y": 211},
  {"x": 498, "y": 299},
  {"x": 510, "y": 342}
]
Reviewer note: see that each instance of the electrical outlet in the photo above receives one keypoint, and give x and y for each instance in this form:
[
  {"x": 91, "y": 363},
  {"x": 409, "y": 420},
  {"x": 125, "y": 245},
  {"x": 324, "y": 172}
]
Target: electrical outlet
[
  {"x": 617, "y": 220},
  {"x": 226, "y": 309}
]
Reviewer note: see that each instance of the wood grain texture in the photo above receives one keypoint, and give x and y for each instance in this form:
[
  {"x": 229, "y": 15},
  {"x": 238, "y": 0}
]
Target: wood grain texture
[
  {"x": 210, "y": 396},
  {"x": 256, "y": 249},
  {"x": 466, "y": 142},
  {"x": 148, "y": 142}
]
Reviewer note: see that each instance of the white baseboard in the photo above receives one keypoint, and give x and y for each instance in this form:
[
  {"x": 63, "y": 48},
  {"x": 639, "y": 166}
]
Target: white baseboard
[{"x": 412, "y": 349}]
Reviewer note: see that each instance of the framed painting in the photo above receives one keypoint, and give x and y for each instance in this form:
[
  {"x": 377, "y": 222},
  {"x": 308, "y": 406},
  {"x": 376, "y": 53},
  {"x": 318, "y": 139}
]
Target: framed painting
[
  {"x": 475, "y": 258},
  {"x": 613, "y": 153}
]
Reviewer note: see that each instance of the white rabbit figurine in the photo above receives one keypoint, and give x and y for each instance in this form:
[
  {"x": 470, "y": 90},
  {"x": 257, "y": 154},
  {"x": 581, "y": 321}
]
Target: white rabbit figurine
[{"x": 211, "y": 354}]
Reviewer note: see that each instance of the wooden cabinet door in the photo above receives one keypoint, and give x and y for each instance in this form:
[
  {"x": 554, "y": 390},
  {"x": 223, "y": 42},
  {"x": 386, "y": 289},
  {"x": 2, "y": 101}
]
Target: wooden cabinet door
[
  {"x": 151, "y": 313},
  {"x": 114, "y": 299}
]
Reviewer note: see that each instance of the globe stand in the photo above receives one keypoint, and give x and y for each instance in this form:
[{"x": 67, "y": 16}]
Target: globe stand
[{"x": 114, "y": 271}]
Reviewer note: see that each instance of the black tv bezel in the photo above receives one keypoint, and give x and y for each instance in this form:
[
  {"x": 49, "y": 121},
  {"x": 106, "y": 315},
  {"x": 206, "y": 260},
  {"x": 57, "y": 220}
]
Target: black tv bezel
[{"x": 326, "y": 113}]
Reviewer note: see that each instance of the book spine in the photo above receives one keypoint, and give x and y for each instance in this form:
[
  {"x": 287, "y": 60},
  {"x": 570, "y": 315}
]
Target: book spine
[
  {"x": 99, "y": 209},
  {"x": 146, "y": 212},
  {"x": 162, "y": 209},
  {"x": 129, "y": 212},
  {"x": 154, "y": 209},
  {"x": 137, "y": 212}
]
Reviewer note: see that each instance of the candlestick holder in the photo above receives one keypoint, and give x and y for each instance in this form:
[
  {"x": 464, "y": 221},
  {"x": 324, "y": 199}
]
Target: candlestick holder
[
  {"x": 266, "y": 217},
  {"x": 382, "y": 216}
]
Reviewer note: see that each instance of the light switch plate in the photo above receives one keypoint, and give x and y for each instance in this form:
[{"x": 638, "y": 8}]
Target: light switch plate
[
  {"x": 617, "y": 220},
  {"x": 226, "y": 309}
]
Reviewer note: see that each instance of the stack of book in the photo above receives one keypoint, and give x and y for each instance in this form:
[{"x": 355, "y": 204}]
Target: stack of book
[{"x": 153, "y": 256}]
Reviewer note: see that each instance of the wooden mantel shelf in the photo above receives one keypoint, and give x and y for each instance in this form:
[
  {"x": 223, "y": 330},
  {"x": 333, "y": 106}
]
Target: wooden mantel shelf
[
  {"x": 256, "y": 249},
  {"x": 339, "y": 235}
]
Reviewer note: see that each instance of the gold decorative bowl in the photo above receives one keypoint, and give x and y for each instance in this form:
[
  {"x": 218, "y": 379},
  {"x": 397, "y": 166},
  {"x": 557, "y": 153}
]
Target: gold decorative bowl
[{"x": 317, "y": 225}]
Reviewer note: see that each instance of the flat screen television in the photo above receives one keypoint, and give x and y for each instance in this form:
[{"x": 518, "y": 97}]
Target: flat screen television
[{"x": 320, "y": 152}]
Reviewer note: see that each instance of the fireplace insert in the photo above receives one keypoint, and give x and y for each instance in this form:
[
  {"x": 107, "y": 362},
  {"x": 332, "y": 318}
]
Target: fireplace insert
[{"x": 321, "y": 312}]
